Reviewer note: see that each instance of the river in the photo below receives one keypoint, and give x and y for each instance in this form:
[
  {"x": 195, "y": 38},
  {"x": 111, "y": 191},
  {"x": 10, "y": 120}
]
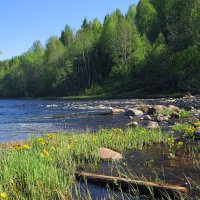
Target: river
[{"x": 20, "y": 119}]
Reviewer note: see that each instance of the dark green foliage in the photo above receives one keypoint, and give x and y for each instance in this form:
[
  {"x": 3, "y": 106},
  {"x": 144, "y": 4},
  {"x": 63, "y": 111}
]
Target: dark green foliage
[{"x": 155, "y": 47}]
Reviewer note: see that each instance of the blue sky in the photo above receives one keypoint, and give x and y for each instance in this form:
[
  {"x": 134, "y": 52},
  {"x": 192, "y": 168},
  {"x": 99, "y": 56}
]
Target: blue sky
[{"x": 24, "y": 21}]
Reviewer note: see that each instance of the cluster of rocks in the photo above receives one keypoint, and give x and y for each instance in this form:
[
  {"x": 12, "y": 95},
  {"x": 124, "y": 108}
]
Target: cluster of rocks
[{"x": 148, "y": 116}]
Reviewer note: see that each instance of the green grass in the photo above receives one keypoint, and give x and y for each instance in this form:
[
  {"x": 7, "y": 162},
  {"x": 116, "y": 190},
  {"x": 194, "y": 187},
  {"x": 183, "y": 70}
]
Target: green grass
[
  {"x": 166, "y": 112},
  {"x": 114, "y": 95},
  {"x": 186, "y": 129},
  {"x": 182, "y": 113},
  {"x": 44, "y": 169}
]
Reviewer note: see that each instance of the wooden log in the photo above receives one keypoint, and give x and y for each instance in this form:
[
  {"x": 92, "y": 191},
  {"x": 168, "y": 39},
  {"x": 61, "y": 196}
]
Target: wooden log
[{"x": 126, "y": 184}]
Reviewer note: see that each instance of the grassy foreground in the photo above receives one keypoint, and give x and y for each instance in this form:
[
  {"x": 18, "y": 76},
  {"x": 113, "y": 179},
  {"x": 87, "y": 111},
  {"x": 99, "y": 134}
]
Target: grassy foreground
[{"x": 44, "y": 167}]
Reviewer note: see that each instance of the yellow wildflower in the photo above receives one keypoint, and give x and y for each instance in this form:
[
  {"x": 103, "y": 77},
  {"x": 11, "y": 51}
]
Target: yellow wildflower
[
  {"x": 71, "y": 145},
  {"x": 179, "y": 145},
  {"x": 50, "y": 136},
  {"x": 44, "y": 153},
  {"x": 197, "y": 124},
  {"x": 170, "y": 141},
  {"x": 117, "y": 130},
  {"x": 17, "y": 147},
  {"x": 110, "y": 135},
  {"x": 25, "y": 146},
  {"x": 94, "y": 139},
  {"x": 55, "y": 148},
  {"x": 42, "y": 141},
  {"x": 3, "y": 195}
]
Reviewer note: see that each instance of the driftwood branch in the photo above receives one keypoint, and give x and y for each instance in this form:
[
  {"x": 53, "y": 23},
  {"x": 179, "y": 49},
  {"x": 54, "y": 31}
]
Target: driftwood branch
[{"x": 125, "y": 184}]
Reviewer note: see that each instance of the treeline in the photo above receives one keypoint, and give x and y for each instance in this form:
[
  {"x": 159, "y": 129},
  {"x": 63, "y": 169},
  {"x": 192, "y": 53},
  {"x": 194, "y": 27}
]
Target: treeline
[{"x": 155, "y": 47}]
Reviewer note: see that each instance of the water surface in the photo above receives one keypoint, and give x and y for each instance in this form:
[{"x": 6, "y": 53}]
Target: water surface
[{"x": 21, "y": 118}]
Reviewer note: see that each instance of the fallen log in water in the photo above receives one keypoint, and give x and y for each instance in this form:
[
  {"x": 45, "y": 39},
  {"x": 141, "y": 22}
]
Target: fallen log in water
[{"x": 126, "y": 184}]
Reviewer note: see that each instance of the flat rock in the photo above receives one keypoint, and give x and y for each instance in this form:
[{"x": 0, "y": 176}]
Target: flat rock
[
  {"x": 133, "y": 112},
  {"x": 152, "y": 125},
  {"x": 108, "y": 154},
  {"x": 116, "y": 111}
]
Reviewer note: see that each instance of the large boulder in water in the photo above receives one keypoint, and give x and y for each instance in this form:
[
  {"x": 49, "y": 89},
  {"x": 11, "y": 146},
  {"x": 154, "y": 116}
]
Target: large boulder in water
[
  {"x": 117, "y": 111},
  {"x": 133, "y": 112},
  {"x": 108, "y": 154},
  {"x": 157, "y": 109},
  {"x": 152, "y": 125},
  {"x": 173, "y": 108}
]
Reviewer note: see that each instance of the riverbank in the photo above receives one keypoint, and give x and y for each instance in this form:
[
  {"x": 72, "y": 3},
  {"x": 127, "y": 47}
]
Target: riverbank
[
  {"x": 111, "y": 95},
  {"x": 44, "y": 168},
  {"x": 126, "y": 95}
]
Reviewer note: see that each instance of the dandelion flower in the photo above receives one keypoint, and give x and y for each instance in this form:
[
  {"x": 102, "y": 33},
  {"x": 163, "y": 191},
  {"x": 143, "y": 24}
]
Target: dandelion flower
[
  {"x": 3, "y": 195},
  {"x": 17, "y": 147},
  {"x": 25, "y": 146}
]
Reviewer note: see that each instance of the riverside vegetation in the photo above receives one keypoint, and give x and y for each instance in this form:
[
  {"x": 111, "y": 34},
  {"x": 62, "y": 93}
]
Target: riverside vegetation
[
  {"x": 154, "y": 47},
  {"x": 44, "y": 168}
]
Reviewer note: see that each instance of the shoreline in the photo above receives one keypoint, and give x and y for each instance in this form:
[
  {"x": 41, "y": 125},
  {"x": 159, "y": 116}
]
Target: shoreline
[{"x": 106, "y": 96}]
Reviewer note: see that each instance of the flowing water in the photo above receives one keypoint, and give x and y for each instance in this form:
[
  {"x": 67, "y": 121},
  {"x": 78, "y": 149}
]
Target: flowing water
[{"x": 20, "y": 119}]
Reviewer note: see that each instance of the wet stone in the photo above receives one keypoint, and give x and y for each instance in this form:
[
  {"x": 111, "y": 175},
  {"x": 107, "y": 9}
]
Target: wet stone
[
  {"x": 132, "y": 124},
  {"x": 152, "y": 125},
  {"x": 146, "y": 117},
  {"x": 134, "y": 112},
  {"x": 157, "y": 109}
]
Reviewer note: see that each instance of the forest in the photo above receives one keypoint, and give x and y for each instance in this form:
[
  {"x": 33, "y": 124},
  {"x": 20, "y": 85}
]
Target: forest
[{"x": 154, "y": 48}]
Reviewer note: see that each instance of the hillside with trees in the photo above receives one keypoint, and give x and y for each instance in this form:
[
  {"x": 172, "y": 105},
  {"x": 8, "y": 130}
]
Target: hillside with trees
[{"x": 154, "y": 47}]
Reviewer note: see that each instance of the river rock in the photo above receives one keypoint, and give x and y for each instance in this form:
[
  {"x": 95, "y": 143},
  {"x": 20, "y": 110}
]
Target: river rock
[
  {"x": 161, "y": 118},
  {"x": 152, "y": 125},
  {"x": 143, "y": 108},
  {"x": 146, "y": 117},
  {"x": 173, "y": 108},
  {"x": 174, "y": 115},
  {"x": 157, "y": 109},
  {"x": 108, "y": 154},
  {"x": 132, "y": 124},
  {"x": 133, "y": 112},
  {"x": 116, "y": 111}
]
